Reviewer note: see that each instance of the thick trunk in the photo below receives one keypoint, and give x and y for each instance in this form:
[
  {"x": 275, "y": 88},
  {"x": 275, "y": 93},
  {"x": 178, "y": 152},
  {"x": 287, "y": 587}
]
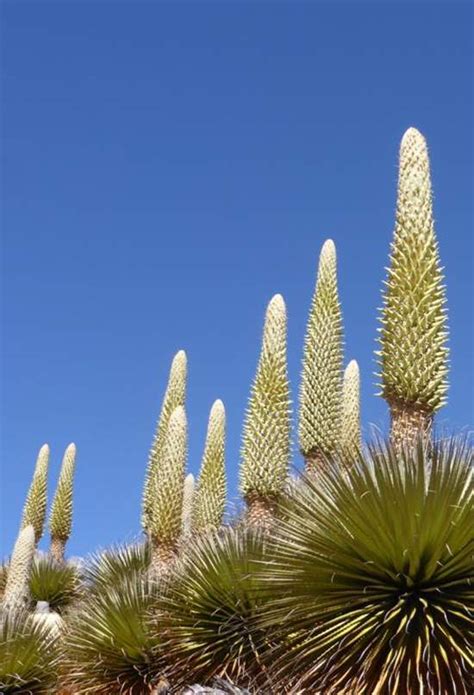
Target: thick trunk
[
  {"x": 163, "y": 557},
  {"x": 409, "y": 423},
  {"x": 315, "y": 460},
  {"x": 56, "y": 549},
  {"x": 260, "y": 510}
]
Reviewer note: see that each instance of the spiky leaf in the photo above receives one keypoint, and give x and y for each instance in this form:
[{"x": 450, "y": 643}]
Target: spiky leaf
[
  {"x": 58, "y": 584},
  {"x": 34, "y": 511},
  {"x": 371, "y": 575},
  {"x": 210, "y": 607},
  {"x": 321, "y": 381},
  {"x": 28, "y": 655},
  {"x": 210, "y": 497},
  {"x": 175, "y": 395},
  {"x": 413, "y": 355},
  {"x": 116, "y": 565},
  {"x": 266, "y": 438},
  {"x": 110, "y": 647}
]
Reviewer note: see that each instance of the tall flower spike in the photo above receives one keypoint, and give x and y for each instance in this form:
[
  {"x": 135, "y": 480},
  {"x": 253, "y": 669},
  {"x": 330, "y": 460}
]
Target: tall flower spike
[
  {"x": 34, "y": 511},
  {"x": 413, "y": 357},
  {"x": 266, "y": 437},
  {"x": 188, "y": 500},
  {"x": 166, "y": 512},
  {"x": 16, "y": 589},
  {"x": 321, "y": 383},
  {"x": 175, "y": 395},
  {"x": 209, "y": 503},
  {"x": 60, "y": 520},
  {"x": 351, "y": 440}
]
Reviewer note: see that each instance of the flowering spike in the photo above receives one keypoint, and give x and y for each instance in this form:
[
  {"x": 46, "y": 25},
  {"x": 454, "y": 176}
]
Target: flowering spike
[
  {"x": 34, "y": 511},
  {"x": 60, "y": 520},
  {"x": 188, "y": 499},
  {"x": 321, "y": 384},
  {"x": 209, "y": 502},
  {"x": 266, "y": 438},
  {"x": 351, "y": 441},
  {"x": 175, "y": 395},
  {"x": 16, "y": 589},
  {"x": 166, "y": 512},
  {"x": 413, "y": 357}
]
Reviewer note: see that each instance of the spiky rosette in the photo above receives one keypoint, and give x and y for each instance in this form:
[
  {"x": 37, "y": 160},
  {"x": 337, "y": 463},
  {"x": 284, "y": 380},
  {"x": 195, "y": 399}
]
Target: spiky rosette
[
  {"x": 16, "y": 588},
  {"x": 115, "y": 565},
  {"x": 175, "y": 395},
  {"x": 28, "y": 655},
  {"x": 351, "y": 440},
  {"x": 210, "y": 497},
  {"x": 188, "y": 501},
  {"x": 372, "y": 575},
  {"x": 110, "y": 646},
  {"x": 166, "y": 514},
  {"x": 321, "y": 380},
  {"x": 34, "y": 510},
  {"x": 209, "y": 610},
  {"x": 413, "y": 335},
  {"x": 60, "y": 520},
  {"x": 266, "y": 438},
  {"x": 59, "y": 584}
]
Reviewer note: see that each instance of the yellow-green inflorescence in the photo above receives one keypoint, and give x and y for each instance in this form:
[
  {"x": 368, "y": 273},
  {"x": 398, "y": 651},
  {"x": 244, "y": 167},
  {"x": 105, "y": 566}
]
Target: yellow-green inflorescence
[
  {"x": 34, "y": 511},
  {"x": 210, "y": 497},
  {"x": 165, "y": 525},
  {"x": 188, "y": 503},
  {"x": 175, "y": 395},
  {"x": 266, "y": 437},
  {"x": 60, "y": 520},
  {"x": 16, "y": 589},
  {"x": 321, "y": 383},
  {"x": 413, "y": 356},
  {"x": 351, "y": 440}
]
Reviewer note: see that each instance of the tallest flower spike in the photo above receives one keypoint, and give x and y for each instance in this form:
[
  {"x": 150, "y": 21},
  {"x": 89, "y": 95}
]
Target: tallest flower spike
[
  {"x": 413, "y": 357},
  {"x": 321, "y": 383}
]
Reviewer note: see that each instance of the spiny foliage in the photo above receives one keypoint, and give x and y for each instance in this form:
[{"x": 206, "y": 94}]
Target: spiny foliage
[
  {"x": 210, "y": 607},
  {"x": 321, "y": 382},
  {"x": 188, "y": 501},
  {"x": 116, "y": 565},
  {"x": 371, "y": 575},
  {"x": 175, "y": 395},
  {"x": 413, "y": 334},
  {"x": 16, "y": 588},
  {"x": 351, "y": 440},
  {"x": 57, "y": 583},
  {"x": 110, "y": 646},
  {"x": 28, "y": 655},
  {"x": 165, "y": 515},
  {"x": 266, "y": 438},
  {"x": 34, "y": 510},
  {"x": 60, "y": 520},
  {"x": 210, "y": 497}
]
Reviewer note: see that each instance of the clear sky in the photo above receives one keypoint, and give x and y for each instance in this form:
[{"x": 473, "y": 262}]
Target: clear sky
[{"x": 167, "y": 168}]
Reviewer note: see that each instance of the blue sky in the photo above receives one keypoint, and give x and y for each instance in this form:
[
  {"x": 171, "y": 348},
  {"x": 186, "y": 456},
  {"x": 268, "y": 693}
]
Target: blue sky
[{"x": 167, "y": 168}]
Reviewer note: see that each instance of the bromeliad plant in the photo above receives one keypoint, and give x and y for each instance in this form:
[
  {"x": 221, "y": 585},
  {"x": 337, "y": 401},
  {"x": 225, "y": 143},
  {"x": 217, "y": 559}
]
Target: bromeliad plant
[
  {"x": 363, "y": 586},
  {"x": 371, "y": 579}
]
